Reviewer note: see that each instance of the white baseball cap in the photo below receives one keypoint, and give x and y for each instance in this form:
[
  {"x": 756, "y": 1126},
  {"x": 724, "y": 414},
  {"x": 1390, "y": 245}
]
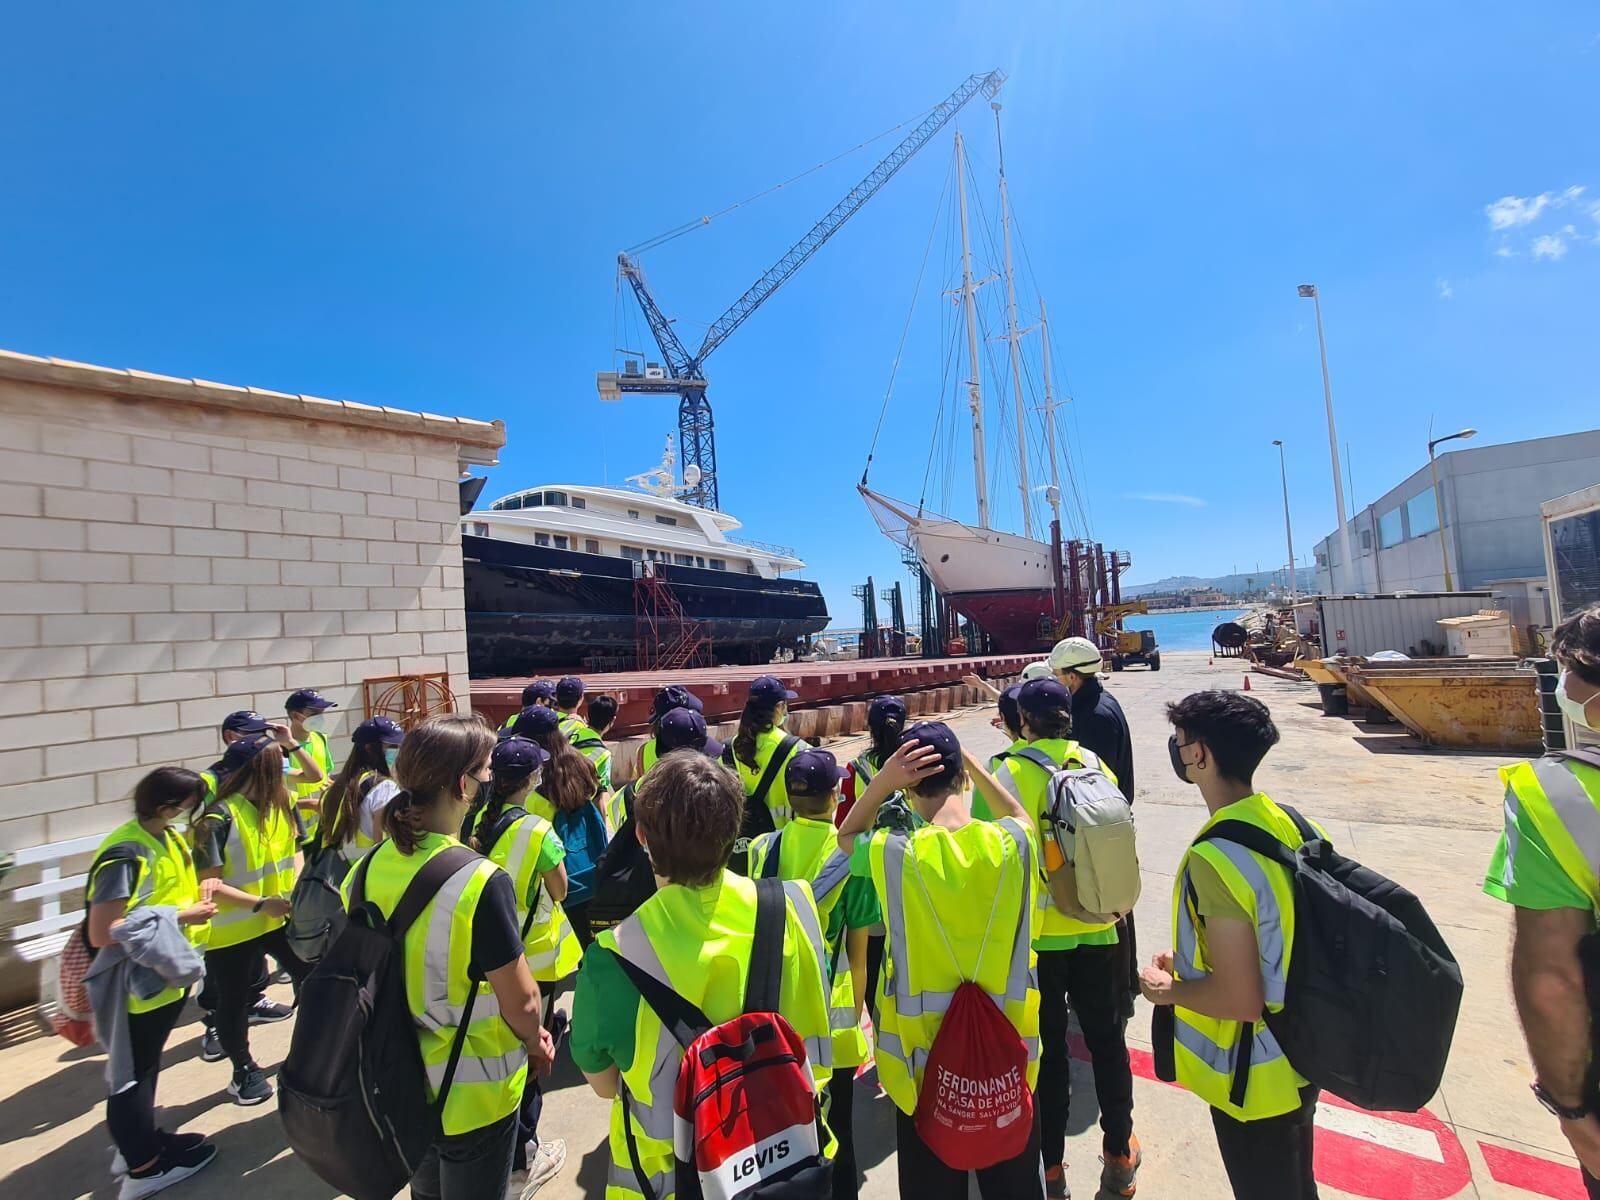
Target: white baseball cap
[
  {"x": 1076, "y": 654},
  {"x": 1036, "y": 670}
]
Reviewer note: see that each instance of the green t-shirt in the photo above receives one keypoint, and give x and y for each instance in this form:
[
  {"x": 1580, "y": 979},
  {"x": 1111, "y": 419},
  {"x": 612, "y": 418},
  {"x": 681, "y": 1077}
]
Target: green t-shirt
[
  {"x": 605, "y": 1010},
  {"x": 551, "y": 855},
  {"x": 1212, "y": 896},
  {"x": 1524, "y": 872}
]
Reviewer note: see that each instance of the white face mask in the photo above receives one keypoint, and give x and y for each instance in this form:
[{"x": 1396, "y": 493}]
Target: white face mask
[
  {"x": 1575, "y": 712},
  {"x": 313, "y": 722}
]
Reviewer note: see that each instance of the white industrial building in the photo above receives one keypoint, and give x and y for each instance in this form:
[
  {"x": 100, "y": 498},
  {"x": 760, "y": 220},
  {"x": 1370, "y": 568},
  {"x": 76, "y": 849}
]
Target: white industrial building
[{"x": 1491, "y": 497}]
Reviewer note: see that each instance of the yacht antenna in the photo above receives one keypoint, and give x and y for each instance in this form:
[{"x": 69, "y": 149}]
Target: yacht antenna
[
  {"x": 1013, "y": 336},
  {"x": 974, "y": 384}
]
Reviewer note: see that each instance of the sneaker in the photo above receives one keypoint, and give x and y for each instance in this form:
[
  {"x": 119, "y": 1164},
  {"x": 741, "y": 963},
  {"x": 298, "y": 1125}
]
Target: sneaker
[
  {"x": 266, "y": 1012},
  {"x": 545, "y": 1160},
  {"x": 1119, "y": 1175},
  {"x": 177, "y": 1143},
  {"x": 172, "y": 1167},
  {"x": 249, "y": 1086},
  {"x": 119, "y": 1165},
  {"x": 1055, "y": 1183},
  {"x": 280, "y": 976},
  {"x": 211, "y": 1046}
]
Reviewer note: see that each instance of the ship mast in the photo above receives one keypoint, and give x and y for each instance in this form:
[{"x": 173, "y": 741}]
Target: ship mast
[
  {"x": 974, "y": 386},
  {"x": 1054, "y": 495},
  {"x": 1012, "y": 336}
]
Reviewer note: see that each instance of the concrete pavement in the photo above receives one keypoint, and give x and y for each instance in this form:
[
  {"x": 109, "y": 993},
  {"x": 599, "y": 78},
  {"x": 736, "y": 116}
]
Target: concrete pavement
[{"x": 1428, "y": 819}]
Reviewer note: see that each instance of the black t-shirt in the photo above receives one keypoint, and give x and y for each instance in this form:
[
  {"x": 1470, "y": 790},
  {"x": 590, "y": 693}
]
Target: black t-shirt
[
  {"x": 1099, "y": 725},
  {"x": 496, "y": 934}
]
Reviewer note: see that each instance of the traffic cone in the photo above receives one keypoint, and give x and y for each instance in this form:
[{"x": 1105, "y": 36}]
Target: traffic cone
[{"x": 1247, "y": 683}]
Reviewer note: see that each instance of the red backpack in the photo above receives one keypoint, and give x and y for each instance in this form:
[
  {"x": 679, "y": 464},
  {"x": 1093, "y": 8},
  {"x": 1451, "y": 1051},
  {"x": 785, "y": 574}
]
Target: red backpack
[
  {"x": 748, "y": 1117},
  {"x": 975, "y": 1108}
]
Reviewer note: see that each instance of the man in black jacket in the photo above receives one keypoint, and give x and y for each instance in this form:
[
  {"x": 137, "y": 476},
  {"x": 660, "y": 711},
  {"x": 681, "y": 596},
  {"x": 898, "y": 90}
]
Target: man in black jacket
[{"x": 1098, "y": 724}]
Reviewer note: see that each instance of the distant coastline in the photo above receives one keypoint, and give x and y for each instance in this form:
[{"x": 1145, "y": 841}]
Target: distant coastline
[{"x": 1194, "y": 608}]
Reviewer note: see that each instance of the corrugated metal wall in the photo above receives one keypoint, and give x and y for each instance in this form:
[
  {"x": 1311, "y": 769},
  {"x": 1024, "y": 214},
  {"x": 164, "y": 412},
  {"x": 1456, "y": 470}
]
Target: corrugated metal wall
[{"x": 1365, "y": 625}]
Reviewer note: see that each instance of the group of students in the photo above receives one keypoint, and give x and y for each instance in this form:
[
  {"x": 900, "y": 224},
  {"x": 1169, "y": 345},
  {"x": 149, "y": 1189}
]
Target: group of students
[{"x": 908, "y": 873}]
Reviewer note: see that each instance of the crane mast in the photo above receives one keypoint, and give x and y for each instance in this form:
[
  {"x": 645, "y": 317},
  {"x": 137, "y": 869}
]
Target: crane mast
[{"x": 684, "y": 375}]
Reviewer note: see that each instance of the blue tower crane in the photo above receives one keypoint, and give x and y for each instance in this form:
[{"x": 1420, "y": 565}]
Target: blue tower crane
[{"x": 684, "y": 375}]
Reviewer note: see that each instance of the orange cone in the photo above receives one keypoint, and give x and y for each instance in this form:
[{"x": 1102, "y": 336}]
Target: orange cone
[{"x": 1247, "y": 683}]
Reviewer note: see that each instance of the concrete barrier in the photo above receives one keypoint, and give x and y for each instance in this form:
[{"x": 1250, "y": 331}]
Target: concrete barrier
[
  {"x": 624, "y": 760},
  {"x": 832, "y": 720},
  {"x": 855, "y": 718}
]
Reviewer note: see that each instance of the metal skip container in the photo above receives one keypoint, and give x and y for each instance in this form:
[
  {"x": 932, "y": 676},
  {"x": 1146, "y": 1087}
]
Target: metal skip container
[{"x": 1407, "y": 622}]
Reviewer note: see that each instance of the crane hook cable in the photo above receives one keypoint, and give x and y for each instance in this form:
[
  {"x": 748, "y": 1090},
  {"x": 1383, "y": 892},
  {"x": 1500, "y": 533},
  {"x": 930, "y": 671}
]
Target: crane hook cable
[{"x": 678, "y": 231}]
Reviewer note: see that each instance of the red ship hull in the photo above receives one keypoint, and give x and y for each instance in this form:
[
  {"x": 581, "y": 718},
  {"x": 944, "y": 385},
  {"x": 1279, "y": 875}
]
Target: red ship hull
[{"x": 1017, "y": 621}]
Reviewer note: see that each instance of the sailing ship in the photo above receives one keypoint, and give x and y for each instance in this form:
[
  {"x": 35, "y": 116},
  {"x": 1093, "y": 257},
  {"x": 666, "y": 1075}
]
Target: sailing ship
[{"x": 1005, "y": 583}]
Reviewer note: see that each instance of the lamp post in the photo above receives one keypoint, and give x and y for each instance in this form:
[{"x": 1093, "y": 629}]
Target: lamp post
[
  {"x": 1438, "y": 497},
  {"x": 1288, "y": 530},
  {"x": 1308, "y": 291}
]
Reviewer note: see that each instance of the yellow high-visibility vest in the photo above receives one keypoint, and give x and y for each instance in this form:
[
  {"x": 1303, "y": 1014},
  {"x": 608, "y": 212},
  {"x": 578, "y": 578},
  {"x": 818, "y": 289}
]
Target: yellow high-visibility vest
[
  {"x": 258, "y": 856},
  {"x": 166, "y": 878},
  {"x": 1562, "y": 798},
  {"x": 551, "y": 946}
]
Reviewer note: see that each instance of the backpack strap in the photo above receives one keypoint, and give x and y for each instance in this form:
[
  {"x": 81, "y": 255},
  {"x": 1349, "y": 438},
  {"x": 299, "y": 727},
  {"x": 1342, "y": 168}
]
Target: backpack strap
[
  {"x": 1252, "y": 837},
  {"x": 424, "y": 885},
  {"x": 683, "y": 1020},
  {"x": 764, "y": 985},
  {"x": 1578, "y": 754},
  {"x": 1038, "y": 758},
  {"x": 774, "y": 765},
  {"x": 727, "y": 757},
  {"x": 769, "y": 865},
  {"x": 508, "y": 818}
]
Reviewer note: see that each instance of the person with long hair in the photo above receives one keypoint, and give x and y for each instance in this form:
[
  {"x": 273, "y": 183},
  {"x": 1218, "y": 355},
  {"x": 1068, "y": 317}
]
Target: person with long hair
[
  {"x": 352, "y": 807},
  {"x": 527, "y": 847},
  {"x": 248, "y": 841},
  {"x": 600, "y": 714},
  {"x": 442, "y": 765},
  {"x": 760, "y": 738},
  {"x": 569, "y": 780},
  {"x": 145, "y": 863}
]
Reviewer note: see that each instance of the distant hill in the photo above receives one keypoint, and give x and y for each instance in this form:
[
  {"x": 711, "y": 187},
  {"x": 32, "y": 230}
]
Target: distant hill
[{"x": 1230, "y": 585}]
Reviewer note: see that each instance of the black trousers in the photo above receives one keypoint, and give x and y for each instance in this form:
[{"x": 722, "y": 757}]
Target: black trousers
[
  {"x": 841, "y": 1110},
  {"x": 131, "y": 1113},
  {"x": 1090, "y": 979},
  {"x": 578, "y": 916},
  {"x": 1270, "y": 1159},
  {"x": 924, "y": 1176},
  {"x": 207, "y": 999},
  {"x": 468, "y": 1166},
  {"x": 232, "y": 971},
  {"x": 532, "y": 1106},
  {"x": 875, "y": 945}
]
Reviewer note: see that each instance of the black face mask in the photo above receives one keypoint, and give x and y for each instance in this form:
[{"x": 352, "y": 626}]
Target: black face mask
[{"x": 1179, "y": 768}]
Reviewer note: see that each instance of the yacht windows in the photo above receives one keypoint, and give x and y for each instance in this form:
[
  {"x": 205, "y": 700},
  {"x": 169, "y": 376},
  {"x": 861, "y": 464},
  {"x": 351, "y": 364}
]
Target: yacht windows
[
  {"x": 718, "y": 564},
  {"x": 591, "y": 546},
  {"x": 561, "y": 541},
  {"x": 633, "y": 552},
  {"x": 660, "y": 520},
  {"x": 556, "y": 499},
  {"x": 579, "y": 502},
  {"x": 633, "y": 514},
  {"x": 699, "y": 561},
  {"x": 683, "y": 560},
  {"x": 541, "y": 539}
]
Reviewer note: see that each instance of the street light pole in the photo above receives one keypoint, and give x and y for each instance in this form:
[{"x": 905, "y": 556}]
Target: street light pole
[
  {"x": 1438, "y": 497},
  {"x": 1288, "y": 530},
  {"x": 1308, "y": 291}
]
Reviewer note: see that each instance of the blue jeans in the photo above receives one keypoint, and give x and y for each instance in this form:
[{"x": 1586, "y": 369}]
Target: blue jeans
[{"x": 468, "y": 1166}]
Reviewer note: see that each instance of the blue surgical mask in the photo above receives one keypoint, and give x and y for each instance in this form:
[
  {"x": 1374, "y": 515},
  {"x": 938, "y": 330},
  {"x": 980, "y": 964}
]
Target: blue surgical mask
[
  {"x": 313, "y": 722},
  {"x": 390, "y": 753}
]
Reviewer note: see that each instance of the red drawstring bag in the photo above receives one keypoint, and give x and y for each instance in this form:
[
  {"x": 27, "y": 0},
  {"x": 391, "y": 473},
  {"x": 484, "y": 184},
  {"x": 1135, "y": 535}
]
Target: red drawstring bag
[
  {"x": 975, "y": 1108},
  {"x": 71, "y": 1017}
]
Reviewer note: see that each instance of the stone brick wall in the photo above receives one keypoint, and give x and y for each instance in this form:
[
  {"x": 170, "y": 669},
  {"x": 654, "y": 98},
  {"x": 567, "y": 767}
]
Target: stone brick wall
[{"x": 172, "y": 550}]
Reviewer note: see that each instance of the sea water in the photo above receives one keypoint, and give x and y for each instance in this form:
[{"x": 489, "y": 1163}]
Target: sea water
[{"x": 1183, "y": 630}]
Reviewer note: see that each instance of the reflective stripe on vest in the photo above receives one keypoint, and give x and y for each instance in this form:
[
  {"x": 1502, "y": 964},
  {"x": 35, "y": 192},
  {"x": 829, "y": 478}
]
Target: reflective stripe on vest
[
  {"x": 650, "y": 1080},
  {"x": 864, "y": 773},
  {"x": 1562, "y": 799},
  {"x": 166, "y": 878},
  {"x": 257, "y": 858},
  {"x": 1207, "y": 1048},
  {"x": 551, "y": 946},
  {"x": 900, "y": 1037},
  {"x": 492, "y": 1070}
]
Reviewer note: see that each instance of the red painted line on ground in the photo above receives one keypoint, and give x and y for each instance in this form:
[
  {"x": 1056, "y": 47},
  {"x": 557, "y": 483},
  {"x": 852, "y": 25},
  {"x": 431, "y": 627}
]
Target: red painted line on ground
[{"x": 1533, "y": 1174}]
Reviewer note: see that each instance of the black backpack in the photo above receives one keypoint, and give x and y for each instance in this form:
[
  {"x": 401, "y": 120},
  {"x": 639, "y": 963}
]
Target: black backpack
[
  {"x": 1373, "y": 991},
  {"x": 317, "y": 916},
  {"x": 352, "y": 1094},
  {"x": 757, "y": 816},
  {"x": 623, "y": 878}
]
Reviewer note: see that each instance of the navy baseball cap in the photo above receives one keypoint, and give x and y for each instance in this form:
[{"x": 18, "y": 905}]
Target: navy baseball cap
[
  {"x": 1009, "y": 712},
  {"x": 306, "y": 698},
  {"x": 771, "y": 690},
  {"x": 378, "y": 729},
  {"x": 518, "y": 754},
  {"x": 1043, "y": 696},
  {"x": 683, "y": 727},
  {"x": 569, "y": 690},
  {"x": 240, "y": 753},
  {"x": 675, "y": 696},
  {"x": 537, "y": 692},
  {"x": 244, "y": 721},
  {"x": 812, "y": 773},
  {"x": 943, "y": 739},
  {"x": 536, "y": 721},
  {"x": 885, "y": 709}
]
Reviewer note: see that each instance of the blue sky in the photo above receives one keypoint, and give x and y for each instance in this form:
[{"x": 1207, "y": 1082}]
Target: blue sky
[{"x": 420, "y": 205}]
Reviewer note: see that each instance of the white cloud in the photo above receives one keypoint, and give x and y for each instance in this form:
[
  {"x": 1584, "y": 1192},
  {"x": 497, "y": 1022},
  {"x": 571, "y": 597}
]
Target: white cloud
[
  {"x": 1167, "y": 498},
  {"x": 1510, "y": 211},
  {"x": 1549, "y": 247},
  {"x": 1445, "y": 290},
  {"x": 1505, "y": 252}
]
